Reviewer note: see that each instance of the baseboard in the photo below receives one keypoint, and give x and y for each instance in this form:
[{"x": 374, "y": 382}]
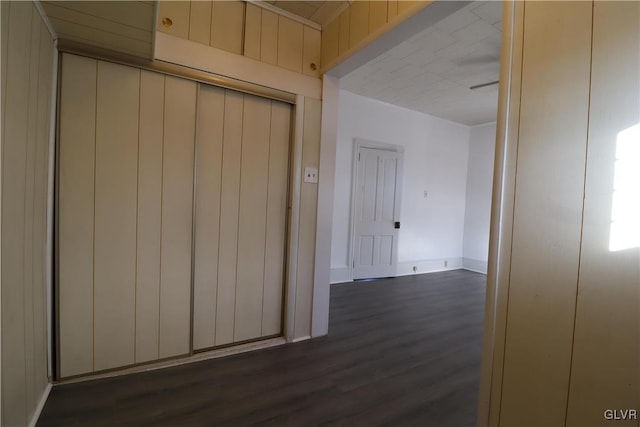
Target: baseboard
[
  {"x": 40, "y": 407},
  {"x": 474, "y": 265},
  {"x": 306, "y": 337},
  {"x": 340, "y": 275},
  {"x": 428, "y": 266},
  {"x": 343, "y": 274}
]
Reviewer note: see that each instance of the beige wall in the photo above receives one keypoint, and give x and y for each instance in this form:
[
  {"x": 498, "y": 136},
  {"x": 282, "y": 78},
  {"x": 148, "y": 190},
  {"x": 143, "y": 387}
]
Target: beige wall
[
  {"x": 244, "y": 29},
  {"x": 563, "y": 318},
  {"x": 27, "y": 66}
]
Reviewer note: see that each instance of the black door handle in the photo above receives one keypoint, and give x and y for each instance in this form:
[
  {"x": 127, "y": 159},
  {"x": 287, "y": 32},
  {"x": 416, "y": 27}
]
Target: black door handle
[{"x": 396, "y": 224}]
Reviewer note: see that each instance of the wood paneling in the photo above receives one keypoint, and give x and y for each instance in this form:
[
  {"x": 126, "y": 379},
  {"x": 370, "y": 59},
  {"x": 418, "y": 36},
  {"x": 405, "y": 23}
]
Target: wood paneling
[
  {"x": 27, "y": 50},
  {"x": 121, "y": 26},
  {"x": 308, "y": 210},
  {"x": 605, "y": 360},
  {"x": 290, "y": 44},
  {"x": 149, "y": 215},
  {"x": 311, "y": 52},
  {"x": 269, "y": 38},
  {"x": 177, "y": 199},
  {"x": 392, "y": 9},
  {"x": 229, "y": 201},
  {"x": 378, "y": 11},
  {"x": 76, "y": 214},
  {"x": 344, "y": 22},
  {"x": 548, "y": 213},
  {"x": 200, "y": 22},
  {"x": 208, "y": 187},
  {"x": 116, "y": 173},
  {"x": 330, "y": 41},
  {"x": 178, "y": 13},
  {"x": 227, "y": 25},
  {"x": 253, "y": 30},
  {"x": 358, "y": 22},
  {"x": 275, "y": 239}
]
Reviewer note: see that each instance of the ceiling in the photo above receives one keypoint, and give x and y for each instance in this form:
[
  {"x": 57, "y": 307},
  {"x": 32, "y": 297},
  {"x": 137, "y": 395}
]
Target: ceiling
[
  {"x": 123, "y": 26},
  {"x": 432, "y": 71},
  {"x": 320, "y": 12}
]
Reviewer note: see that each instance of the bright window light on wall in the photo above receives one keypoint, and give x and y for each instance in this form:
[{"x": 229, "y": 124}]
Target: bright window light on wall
[{"x": 625, "y": 213}]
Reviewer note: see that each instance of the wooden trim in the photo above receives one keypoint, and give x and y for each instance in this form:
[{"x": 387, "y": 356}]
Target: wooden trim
[{"x": 281, "y": 12}]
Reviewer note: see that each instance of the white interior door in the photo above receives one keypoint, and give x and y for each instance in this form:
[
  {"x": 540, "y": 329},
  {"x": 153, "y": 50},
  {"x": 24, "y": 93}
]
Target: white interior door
[{"x": 376, "y": 218}]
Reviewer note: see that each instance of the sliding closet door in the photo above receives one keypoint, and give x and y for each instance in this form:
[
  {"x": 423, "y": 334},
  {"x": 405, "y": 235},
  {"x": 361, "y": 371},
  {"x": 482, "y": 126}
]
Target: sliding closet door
[
  {"x": 125, "y": 198},
  {"x": 241, "y": 196}
]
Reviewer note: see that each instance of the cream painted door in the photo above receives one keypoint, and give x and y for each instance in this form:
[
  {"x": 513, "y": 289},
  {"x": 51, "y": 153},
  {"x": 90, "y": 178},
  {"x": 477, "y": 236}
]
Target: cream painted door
[
  {"x": 376, "y": 215},
  {"x": 241, "y": 196}
]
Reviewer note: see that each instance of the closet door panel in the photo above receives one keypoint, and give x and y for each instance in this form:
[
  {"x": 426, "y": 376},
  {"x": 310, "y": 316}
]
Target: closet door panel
[
  {"x": 177, "y": 199},
  {"x": 149, "y": 215},
  {"x": 229, "y": 203},
  {"x": 208, "y": 170},
  {"x": 254, "y": 171},
  {"x": 76, "y": 214},
  {"x": 115, "y": 215},
  {"x": 276, "y": 219}
]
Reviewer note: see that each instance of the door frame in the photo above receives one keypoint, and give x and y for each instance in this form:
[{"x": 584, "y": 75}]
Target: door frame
[{"x": 359, "y": 143}]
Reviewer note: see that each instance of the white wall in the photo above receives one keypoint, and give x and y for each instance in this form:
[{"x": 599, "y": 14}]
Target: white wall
[
  {"x": 478, "y": 203},
  {"x": 435, "y": 160}
]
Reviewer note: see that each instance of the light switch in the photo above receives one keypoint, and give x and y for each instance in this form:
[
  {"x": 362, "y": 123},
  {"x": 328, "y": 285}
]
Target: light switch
[{"x": 311, "y": 175}]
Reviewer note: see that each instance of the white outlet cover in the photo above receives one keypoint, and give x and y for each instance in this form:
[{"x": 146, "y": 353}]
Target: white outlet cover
[{"x": 311, "y": 175}]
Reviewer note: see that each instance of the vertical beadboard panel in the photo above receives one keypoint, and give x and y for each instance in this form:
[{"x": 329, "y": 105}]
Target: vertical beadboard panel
[
  {"x": 178, "y": 13},
  {"x": 254, "y": 178},
  {"x": 378, "y": 11},
  {"x": 200, "y": 21},
  {"x": 29, "y": 281},
  {"x": 311, "y": 52},
  {"x": 330, "y": 42},
  {"x": 547, "y": 213},
  {"x": 229, "y": 202},
  {"x": 252, "y": 31},
  {"x": 275, "y": 242},
  {"x": 290, "y": 44},
  {"x": 269, "y": 38},
  {"x": 358, "y": 22},
  {"x": 209, "y": 166},
  {"x": 177, "y": 199},
  {"x": 116, "y": 175},
  {"x": 344, "y": 22},
  {"x": 14, "y": 392},
  {"x": 606, "y": 362},
  {"x": 150, "y": 134},
  {"x": 227, "y": 25},
  {"x": 392, "y": 9},
  {"x": 76, "y": 214},
  {"x": 308, "y": 209}
]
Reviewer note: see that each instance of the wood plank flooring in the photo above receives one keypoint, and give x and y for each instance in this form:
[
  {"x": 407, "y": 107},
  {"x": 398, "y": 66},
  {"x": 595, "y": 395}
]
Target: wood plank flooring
[{"x": 400, "y": 352}]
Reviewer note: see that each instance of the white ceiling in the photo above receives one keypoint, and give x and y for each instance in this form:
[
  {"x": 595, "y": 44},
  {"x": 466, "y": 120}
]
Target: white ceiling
[{"x": 432, "y": 71}]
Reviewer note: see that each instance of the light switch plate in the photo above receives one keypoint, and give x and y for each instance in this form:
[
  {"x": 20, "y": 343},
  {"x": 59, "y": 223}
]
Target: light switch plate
[{"x": 311, "y": 175}]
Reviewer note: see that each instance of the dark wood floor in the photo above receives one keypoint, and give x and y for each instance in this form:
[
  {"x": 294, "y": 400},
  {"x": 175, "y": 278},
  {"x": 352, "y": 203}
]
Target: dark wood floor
[{"x": 400, "y": 352}]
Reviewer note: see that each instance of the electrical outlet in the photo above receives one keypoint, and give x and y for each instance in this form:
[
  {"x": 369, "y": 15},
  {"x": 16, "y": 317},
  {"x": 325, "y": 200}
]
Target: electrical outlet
[{"x": 311, "y": 175}]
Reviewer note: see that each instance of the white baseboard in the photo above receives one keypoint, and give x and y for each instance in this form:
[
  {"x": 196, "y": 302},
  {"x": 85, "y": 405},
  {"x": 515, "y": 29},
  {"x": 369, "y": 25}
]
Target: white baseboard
[
  {"x": 340, "y": 274},
  {"x": 343, "y": 274},
  {"x": 40, "y": 407},
  {"x": 474, "y": 265},
  {"x": 428, "y": 266}
]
